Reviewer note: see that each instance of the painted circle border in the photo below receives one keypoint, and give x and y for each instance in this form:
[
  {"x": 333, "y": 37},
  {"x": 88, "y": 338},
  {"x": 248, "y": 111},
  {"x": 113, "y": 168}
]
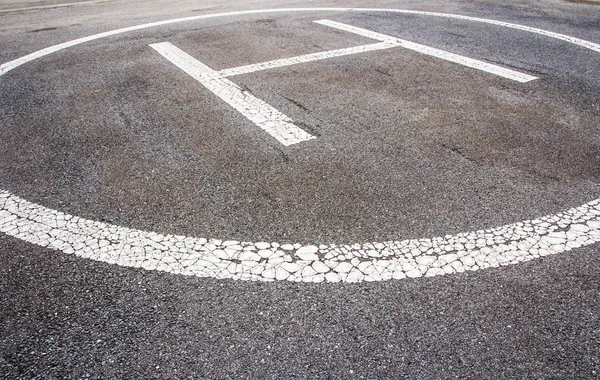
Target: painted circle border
[{"x": 264, "y": 261}]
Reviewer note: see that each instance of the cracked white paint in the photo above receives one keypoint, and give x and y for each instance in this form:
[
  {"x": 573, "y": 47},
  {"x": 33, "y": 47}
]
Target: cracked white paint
[
  {"x": 505, "y": 245},
  {"x": 265, "y": 261}
]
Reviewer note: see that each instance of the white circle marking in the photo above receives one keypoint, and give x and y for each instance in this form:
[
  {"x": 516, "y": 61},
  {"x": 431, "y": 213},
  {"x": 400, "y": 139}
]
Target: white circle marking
[{"x": 262, "y": 261}]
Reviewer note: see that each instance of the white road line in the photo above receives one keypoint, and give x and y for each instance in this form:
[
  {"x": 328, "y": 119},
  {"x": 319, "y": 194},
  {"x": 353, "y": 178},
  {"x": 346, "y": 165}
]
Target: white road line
[
  {"x": 276, "y": 123},
  {"x": 260, "y": 113},
  {"x": 263, "y": 261},
  {"x": 306, "y": 58},
  {"x": 11, "y": 65},
  {"x": 465, "y": 61},
  {"x": 506, "y": 245}
]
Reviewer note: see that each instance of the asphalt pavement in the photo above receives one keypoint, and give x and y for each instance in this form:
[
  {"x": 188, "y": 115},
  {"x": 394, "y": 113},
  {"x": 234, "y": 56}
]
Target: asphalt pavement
[{"x": 404, "y": 143}]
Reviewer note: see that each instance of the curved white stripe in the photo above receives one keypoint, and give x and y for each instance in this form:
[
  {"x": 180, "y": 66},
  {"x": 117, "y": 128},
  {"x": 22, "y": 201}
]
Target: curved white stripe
[
  {"x": 509, "y": 244},
  {"x": 6, "y": 67},
  {"x": 262, "y": 261}
]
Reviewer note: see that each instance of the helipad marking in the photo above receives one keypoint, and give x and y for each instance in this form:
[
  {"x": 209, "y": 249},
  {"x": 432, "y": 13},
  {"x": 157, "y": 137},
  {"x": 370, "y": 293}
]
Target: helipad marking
[
  {"x": 11, "y": 65},
  {"x": 387, "y": 42},
  {"x": 95, "y": 240},
  {"x": 260, "y": 113},
  {"x": 266, "y": 117},
  {"x": 262, "y": 261},
  {"x": 465, "y": 61},
  {"x": 305, "y": 58},
  {"x": 274, "y": 122}
]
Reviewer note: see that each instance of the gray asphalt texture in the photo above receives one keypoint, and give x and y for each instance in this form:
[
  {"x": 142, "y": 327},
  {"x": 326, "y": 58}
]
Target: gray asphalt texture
[{"x": 408, "y": 146}]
